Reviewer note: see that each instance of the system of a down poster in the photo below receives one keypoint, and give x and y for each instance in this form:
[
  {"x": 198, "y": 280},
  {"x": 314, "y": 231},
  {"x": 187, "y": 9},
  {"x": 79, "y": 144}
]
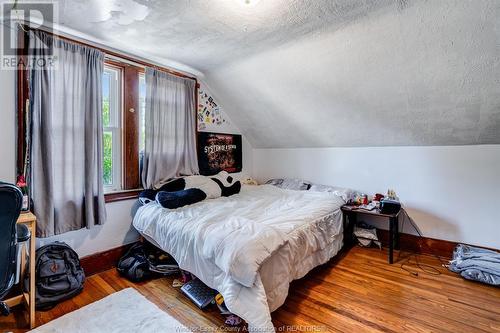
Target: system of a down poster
[{"x": 218, "y": 151}]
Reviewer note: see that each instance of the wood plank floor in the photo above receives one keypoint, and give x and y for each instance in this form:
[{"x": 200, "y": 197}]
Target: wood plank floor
[{"x": 357, "y": 292}]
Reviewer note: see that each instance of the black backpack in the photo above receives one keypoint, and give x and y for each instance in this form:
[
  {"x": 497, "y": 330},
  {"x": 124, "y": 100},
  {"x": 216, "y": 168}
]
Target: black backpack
[
  {"x": 59, "y": 275},
  {"x": 144, "y": 260},
  {"x": 134, "y": 264}
]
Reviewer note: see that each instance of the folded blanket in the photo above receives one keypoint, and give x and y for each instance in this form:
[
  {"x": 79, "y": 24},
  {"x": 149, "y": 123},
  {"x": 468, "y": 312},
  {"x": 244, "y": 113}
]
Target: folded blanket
[{"x": 476, "y": 264}]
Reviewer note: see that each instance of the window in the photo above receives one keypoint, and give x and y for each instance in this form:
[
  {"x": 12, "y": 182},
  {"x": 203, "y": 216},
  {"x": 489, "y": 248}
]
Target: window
[
  {"x": 111, "y": 122},
  {"x": 123, "y": 119},
  {"x": 123, "y": 115},
  {"x": 123, "y": 98}
]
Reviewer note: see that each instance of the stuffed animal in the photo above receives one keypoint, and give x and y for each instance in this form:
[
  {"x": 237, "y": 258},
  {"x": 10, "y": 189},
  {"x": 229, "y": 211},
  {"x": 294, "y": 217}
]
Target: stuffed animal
[
  {"x": 180, "y": 198},
  {"x": 221, "y": 184},
  {"x": 249, "y": 181},
  {"x": 191, "y": 189}
]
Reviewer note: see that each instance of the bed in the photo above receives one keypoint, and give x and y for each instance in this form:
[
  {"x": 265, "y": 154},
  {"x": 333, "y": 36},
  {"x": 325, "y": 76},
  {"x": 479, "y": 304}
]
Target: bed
[{"x": 249, "y": 246}]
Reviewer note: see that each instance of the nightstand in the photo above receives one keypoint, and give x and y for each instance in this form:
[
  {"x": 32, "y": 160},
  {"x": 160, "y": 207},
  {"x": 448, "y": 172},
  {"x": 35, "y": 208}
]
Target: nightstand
[{"x": 352, "y": 212}]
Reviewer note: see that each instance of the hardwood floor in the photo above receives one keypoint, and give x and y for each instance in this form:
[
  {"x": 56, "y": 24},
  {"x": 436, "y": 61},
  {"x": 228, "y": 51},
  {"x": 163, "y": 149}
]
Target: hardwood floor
[{"x": 357, "y": 292}]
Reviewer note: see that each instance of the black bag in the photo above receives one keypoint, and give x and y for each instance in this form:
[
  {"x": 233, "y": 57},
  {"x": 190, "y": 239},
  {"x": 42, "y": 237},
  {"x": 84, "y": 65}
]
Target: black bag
[
  {"x": 134, "y": 264},
  {"x": 160, "y": 262},
  {"x": 144, "y": 260},
  {"x": 59, "y": 275}
]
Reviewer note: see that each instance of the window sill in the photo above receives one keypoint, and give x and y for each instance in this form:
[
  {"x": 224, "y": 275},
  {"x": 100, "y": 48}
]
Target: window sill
[{"x": 121, "y": 196}]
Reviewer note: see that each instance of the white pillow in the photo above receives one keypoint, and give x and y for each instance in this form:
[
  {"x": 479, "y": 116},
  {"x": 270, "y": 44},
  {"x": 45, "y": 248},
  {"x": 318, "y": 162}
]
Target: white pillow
[
  {"x": 290, "y": 184},
  {"x": 345, "y": 193}
]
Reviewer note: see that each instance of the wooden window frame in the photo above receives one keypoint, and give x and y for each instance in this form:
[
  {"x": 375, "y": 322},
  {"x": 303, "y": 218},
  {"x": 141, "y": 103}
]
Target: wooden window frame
[
  {"x": 131, "y": 68},
  {"x": 116, "y": 129},
  {"x": 129, "y": 162},
  {"x": 130, "y": 152}
]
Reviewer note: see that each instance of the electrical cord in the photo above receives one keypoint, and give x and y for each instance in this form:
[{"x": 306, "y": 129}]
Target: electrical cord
[{"x": 428, "y": 269}]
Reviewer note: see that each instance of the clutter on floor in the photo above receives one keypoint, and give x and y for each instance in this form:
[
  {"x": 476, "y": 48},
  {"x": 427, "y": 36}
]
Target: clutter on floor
[
  {"x": 476, "y": 264},
  {"x": 231, "y": 319},
  {"x": 160, "y": 262},
  {"x": 203, "y": 296},
  {"x": 177, "y": 283},
  {"x": 199, "y": 293},
  {"x": 143, "y": 261},
  {"x": 366, "y": 235},
  {"x": 186, "y": 276}
]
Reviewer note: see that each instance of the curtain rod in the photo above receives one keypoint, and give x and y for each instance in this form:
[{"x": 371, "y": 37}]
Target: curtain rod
[
  {"x": 123, "y": 60},
  {"x": 113, "y": 55}
]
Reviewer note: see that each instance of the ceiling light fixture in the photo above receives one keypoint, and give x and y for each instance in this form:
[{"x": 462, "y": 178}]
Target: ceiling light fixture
[{"x": 249, "y": 2}]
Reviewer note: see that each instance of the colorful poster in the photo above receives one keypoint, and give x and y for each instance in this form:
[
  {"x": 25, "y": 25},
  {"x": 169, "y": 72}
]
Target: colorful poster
[
  {"x": 217, "y": 152},
  {"x": 209, "y": 113}
]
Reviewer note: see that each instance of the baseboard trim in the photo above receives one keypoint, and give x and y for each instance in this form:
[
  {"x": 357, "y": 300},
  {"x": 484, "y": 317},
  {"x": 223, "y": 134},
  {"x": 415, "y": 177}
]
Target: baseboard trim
[
  {"x": 102, "y": 261},
  {"x": 424, "y": 245}
]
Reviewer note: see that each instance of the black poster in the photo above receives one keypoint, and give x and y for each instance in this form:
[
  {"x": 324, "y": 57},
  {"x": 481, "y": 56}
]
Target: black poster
[{"x": 217, "y": 152}]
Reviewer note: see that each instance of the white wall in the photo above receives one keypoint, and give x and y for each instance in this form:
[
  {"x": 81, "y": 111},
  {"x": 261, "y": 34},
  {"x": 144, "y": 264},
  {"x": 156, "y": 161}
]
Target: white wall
[
  {"x": 451, "y": 192},
  {"x": 117, "y": 230}
]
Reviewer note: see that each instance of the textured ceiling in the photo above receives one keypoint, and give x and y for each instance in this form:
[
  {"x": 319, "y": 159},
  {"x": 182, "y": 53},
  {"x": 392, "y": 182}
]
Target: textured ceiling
[
  {"x": 207, "y": 33},
  {"x": 297, "y": 73}
]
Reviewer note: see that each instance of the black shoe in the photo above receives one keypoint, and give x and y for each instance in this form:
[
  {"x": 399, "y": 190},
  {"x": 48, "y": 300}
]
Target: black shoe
[{"x": 4, "y": 309}]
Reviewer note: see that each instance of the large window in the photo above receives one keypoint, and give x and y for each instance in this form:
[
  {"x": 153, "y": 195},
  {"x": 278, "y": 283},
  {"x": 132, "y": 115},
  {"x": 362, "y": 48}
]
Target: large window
[
  {"x": 111, "y": 120},
  {"x": 123, "y": 110},
  {"x": 123, "y": 115},
  {"x": 124, "y": 128}
]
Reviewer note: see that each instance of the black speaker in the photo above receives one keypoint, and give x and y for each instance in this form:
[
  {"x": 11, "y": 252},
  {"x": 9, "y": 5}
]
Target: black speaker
[{"x": 389, "y": 206}]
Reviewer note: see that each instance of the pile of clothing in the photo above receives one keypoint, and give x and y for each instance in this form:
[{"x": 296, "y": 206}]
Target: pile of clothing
[{"x": 476, "y": 264}]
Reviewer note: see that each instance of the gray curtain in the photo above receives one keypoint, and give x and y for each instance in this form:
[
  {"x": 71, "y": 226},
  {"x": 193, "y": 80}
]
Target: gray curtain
[
  {"x": 170, "y": 121},
  {"x": 66, "y": 153}
]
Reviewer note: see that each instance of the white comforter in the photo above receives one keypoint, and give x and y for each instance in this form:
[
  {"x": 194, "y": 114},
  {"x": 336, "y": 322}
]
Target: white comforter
[{"x": 251, "y": 245}]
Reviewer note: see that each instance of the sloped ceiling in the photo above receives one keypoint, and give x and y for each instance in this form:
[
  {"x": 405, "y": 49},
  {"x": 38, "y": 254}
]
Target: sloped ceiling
[{"x": 297, "y": 73}]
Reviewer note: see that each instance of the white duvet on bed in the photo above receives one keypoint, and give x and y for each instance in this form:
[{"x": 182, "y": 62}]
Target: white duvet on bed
[{"x": 249, "y": 246}]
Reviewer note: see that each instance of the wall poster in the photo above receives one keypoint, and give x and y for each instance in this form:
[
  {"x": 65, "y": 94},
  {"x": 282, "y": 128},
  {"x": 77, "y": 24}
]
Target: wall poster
[{"x": 218, "y": 151}]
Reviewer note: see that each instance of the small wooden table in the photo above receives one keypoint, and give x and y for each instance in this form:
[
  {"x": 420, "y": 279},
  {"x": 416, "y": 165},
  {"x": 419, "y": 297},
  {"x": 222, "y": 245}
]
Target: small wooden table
[
  {"x": 28, "y": 298},
  {"x": 352, "y": 211}
]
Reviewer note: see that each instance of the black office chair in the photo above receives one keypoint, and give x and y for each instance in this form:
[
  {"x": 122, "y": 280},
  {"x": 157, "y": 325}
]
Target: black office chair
[{"x": 11, "y": 200}]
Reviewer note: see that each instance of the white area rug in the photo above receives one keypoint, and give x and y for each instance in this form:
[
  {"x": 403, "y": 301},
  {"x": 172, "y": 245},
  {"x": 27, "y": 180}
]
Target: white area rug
[{"x": 123, "y": 311}]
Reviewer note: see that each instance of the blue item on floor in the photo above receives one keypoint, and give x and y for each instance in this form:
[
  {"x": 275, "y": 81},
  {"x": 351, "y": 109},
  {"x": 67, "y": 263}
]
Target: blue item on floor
[
  {"x": 476, "y": 264},
  {"x": 199, "y": 293}
]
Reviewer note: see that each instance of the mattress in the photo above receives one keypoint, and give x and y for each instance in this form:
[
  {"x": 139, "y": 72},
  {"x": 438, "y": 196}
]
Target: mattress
[{"x": 249, "y": 246}]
